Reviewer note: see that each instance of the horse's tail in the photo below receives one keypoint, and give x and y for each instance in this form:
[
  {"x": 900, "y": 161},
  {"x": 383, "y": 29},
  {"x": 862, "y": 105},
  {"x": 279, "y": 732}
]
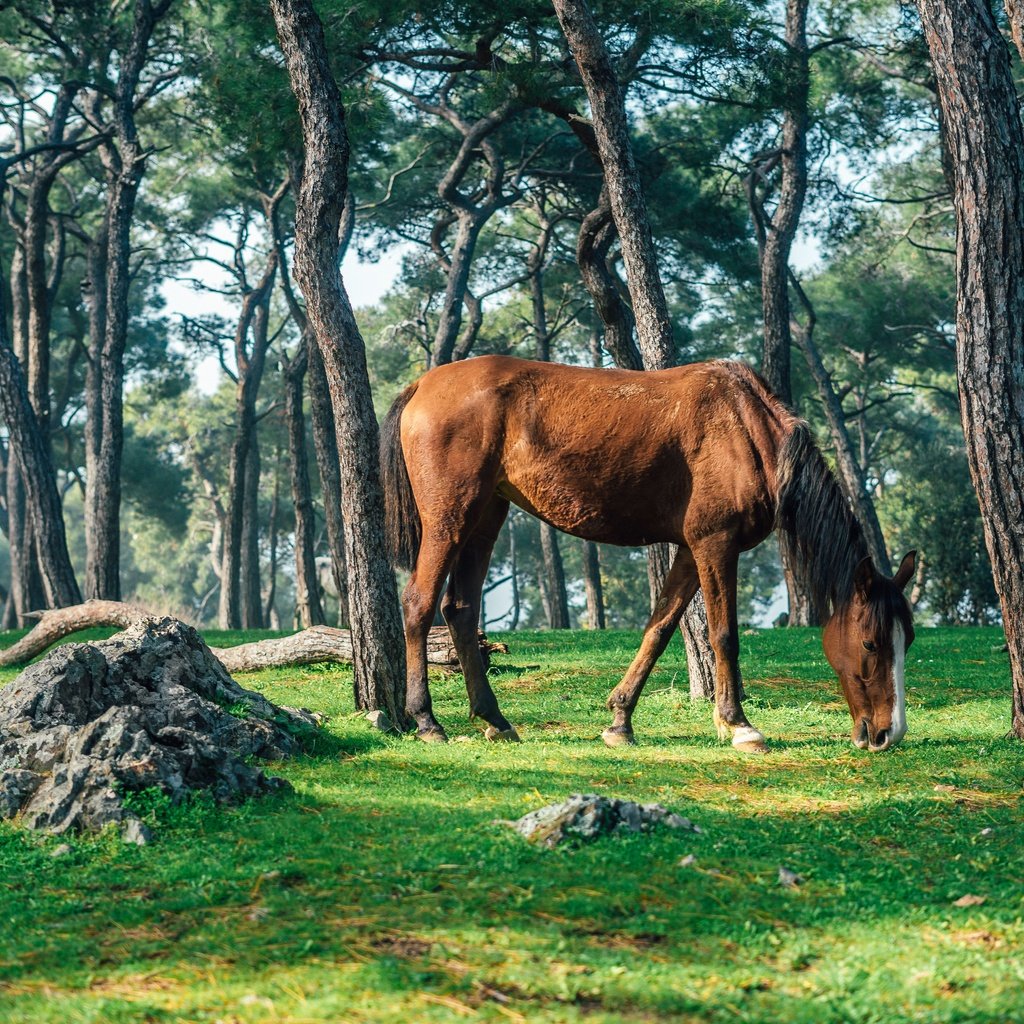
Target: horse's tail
[
  {"x": 818, "y": 531},
  {"x": 402, "y": 528}
]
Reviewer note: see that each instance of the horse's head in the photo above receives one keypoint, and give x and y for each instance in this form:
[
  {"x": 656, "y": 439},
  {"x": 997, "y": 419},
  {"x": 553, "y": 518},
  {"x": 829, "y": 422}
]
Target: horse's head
[{"x": 866, "y": 642}]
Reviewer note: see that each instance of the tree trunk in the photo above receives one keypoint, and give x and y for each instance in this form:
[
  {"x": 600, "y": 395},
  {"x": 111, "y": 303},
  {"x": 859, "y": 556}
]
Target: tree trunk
[
  {"x": 625, "y": 195},
  {"x": 775, "y": 242},
  {"x": 328, "y": 468},
  {"x": 851, "y": 475},
  {"x": 985, "y": 140},
  {"x": 592, "y": 583},
  {"x": 597, "y": 232},
  {"x": 307, "y": 589},
  {"x": 557, "y": 605},
  {"x": 378, "y": 643},
  {"x": 251, "y": 588},
  {"x": 629, "y": 212},
  {"x": 271, "y": 620},
  {"x": 557, "y": 602},
  {"x": 242, "y": 490},
  {"x": 459, "y": 264},
  {"x": 125, "y": 164},
  {"x": 700, "y": 658},
  {"x": 42, "y": 502}
]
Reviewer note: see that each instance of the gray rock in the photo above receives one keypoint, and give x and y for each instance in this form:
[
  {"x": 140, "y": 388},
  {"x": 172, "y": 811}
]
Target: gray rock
[
  {"x": 136, "y": 832},
  {"x": 151, "y": 707},
  {"x": 380, "y": 721},
  {"x": 586, "y": 816},
  {"x": 61, "y": 851}
]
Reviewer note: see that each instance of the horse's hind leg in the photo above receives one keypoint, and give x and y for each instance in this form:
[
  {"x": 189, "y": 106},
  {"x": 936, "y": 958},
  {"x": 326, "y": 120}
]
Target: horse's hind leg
[
  {"x": 717, "y": 559},
  {"x": 676, "y": 593},
  {"x": 461, "y": 610},
  {"x": 419, "y": 600}
]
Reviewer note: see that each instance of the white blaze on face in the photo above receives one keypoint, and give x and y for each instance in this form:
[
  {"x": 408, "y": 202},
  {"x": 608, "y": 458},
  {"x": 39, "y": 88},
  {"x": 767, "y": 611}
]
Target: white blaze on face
[{"x": 899, "y": 693}]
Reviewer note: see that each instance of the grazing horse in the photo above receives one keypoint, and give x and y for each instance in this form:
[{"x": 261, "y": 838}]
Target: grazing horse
[{"x": 702, "y": 456}]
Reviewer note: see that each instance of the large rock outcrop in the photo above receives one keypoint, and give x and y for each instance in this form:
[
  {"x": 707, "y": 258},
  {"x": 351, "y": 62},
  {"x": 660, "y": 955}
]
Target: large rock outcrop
[{"x": 151, "y": 707}]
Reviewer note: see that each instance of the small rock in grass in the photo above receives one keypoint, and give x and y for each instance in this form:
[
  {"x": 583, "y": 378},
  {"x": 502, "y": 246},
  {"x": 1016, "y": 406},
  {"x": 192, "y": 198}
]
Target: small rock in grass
[
  {"x": 789, "y": 879},
  {"x": 587, "y": 816},
  {"x": 969, "y": 900},
  {"x": 136, "y": 832},
  {"x": 380, "y": 721},
  {"x": 687, "y": 862},
  {"x": 986, "y": 832},
  {"x": 61, "y": 851}
]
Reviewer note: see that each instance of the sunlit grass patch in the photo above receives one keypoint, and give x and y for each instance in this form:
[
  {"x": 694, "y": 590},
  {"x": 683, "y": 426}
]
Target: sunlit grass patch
[{"x": 385, "y": 888}]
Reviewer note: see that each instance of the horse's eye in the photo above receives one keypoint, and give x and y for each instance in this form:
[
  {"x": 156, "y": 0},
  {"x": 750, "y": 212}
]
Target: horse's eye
[{"x": 869, "y": 646}]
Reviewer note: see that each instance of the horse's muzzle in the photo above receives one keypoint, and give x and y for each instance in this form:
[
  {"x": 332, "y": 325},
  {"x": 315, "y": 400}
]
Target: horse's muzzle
[{"x": 881, "y": 740}]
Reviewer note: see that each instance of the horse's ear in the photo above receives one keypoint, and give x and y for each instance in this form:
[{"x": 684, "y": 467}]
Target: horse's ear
[
  {"x": 905, "y": 573},
  {"x": 863, "y": 577}
]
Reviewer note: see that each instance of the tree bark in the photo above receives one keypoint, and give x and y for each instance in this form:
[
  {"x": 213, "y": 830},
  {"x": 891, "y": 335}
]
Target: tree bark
[
  {"x": 986, "y": 143},
  {"x": 851, "y": 474},
  {"x": 125, "y": 164},
  {"x": 41, "y": 501},
  {"x": 629, "y": 212},
  {"x": 592, "y": 584},
  {"x": 324, "y": 433},
  {"x": 307, "y": 589},
  {"x": 625, "y": 195},
  {"x": 597, "y": 232},
  {"x": 557, "y": 600},
  {"x": 775, "y": 236},
  {"x": 250, "y": 359},
  {"x": 379, "y": 651}
]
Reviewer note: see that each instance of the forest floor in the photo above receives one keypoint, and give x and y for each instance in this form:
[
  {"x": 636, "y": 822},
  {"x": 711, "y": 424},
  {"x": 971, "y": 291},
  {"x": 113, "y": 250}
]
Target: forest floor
[{"x": 382, "y": 889}]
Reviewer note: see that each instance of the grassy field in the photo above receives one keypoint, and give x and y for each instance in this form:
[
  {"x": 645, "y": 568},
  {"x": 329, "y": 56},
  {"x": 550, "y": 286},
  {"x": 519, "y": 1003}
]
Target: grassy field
[{"x": 382, "y": 888}]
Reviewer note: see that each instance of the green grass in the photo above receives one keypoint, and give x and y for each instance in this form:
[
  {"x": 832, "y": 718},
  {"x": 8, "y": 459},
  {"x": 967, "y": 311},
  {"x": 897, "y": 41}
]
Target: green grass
[{"x": 383, "y": 890}]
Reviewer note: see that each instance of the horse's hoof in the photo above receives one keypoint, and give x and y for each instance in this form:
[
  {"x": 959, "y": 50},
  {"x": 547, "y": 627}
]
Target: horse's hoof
[
  {"x": 618, "y": 738},
  {"x": 433, "y": 736},
  {"x": 749, "y": 741},
  {"x": 508, "y": 735},
  {"x": 755, "y": 747}
]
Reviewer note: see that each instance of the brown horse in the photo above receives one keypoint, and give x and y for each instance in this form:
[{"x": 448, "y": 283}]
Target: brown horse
[{"x": 701, "y": 456}]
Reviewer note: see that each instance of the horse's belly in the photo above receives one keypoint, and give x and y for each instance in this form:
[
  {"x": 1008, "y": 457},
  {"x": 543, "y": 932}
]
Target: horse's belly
[{"x": 597, "y": 504}]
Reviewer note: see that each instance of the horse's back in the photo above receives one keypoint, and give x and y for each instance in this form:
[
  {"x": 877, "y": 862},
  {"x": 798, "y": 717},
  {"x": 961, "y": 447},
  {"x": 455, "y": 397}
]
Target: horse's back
[{"x": 611, "y": 455}]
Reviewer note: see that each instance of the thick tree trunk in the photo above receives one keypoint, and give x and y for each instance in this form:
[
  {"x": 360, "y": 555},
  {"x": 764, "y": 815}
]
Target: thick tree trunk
[
  {"x": 44, "y": 516},
  {"x": 986, "y": 143},
  {"x": 379, "y": 649},
  {"x": 625, "y": 195},
  {"x": 629, "y": 212},
  {"x": 307, "y": 589}
]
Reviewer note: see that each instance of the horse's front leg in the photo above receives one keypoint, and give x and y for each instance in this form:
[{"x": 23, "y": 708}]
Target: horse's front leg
[
  {"x": 676, "y": 593},
  {"x": 717, "y": 558}
]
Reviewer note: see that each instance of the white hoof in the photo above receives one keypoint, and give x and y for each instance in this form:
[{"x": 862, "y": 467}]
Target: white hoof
[{"x": 749, "y": 740}]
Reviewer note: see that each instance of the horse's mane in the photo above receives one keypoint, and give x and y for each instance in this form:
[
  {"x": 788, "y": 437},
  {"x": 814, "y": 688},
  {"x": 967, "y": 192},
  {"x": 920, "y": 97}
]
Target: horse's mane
[{"x": 817, "y": 528}]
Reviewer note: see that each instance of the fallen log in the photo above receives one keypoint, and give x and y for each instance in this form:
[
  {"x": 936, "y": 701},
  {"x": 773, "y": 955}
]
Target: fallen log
[
  {"x": 310, "y": 646},
  {"x": 325, "y": 643}
]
